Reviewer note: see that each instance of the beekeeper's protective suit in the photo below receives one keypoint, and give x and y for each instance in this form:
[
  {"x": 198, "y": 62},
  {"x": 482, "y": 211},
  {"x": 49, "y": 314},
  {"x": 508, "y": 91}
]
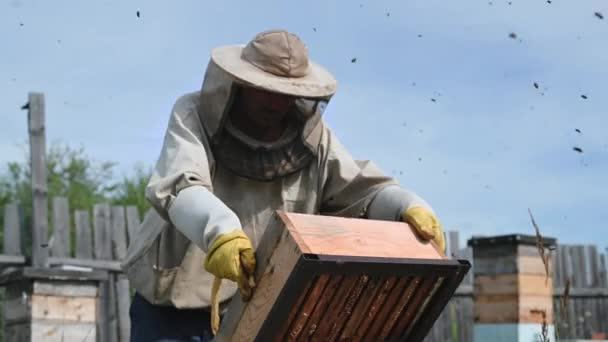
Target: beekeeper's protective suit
[{"x": 220, "y": 177}]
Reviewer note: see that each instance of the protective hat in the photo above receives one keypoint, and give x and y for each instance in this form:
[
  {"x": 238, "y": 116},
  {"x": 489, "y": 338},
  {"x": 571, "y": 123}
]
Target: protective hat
[{"x": 276, "y": 61}]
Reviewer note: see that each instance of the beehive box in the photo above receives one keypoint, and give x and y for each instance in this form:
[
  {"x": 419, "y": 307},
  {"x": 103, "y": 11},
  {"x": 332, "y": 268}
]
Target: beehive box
[
  {"x": 342, "y": 279},
  {"x": 43, "y": 304}
]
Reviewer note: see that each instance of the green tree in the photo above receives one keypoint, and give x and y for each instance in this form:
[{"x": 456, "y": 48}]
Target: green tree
[
  {"x": 71, "y": 173},
  {"x": 132, "y": 190}
]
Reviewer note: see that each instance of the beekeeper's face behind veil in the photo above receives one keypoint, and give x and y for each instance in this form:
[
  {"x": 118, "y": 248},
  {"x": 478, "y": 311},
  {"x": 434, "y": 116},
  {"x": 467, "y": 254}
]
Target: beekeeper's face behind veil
[
  {"x": 262, "y": 115},
  {"x": 261, "y": 105}
]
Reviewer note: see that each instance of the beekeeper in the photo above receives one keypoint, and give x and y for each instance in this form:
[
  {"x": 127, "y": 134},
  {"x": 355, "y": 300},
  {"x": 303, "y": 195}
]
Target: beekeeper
[{"x": 250, "y": 142}]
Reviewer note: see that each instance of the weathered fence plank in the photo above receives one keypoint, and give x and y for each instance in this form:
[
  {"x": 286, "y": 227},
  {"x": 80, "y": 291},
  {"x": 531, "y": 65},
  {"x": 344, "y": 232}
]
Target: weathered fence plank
[
  {"x": 119, "y": 233},
  {"x": 110, "y": 302},
  {"x": 84, "y": 242},
  {"x": 12, "y": 230},
  {"x": 467, "y": 254},
  {"x": 60, "y": 246},
  {"x": 103, "y": 250},
  {"x": 124, "y": 300},
  {"x": 593, "y": 266},
  {"x": 133, "y": 222},
  {"x": 579, "y": 269},
  {"x": 555, "y": 267},
  {"x": 453, "y": 244},
  {"x": 561, "y": 256},
  {"x": 119, "y": 244},
  {"x": 102, "y": 228},
  {"x": 604, "y": 271}
]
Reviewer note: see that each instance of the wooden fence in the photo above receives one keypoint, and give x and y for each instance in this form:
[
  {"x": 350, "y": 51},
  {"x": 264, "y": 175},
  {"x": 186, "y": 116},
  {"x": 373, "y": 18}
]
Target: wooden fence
[
  {"x": 78, "y": 242},
  {"x": 585, "y": 310},
  {"x": 99, "y": 243}
]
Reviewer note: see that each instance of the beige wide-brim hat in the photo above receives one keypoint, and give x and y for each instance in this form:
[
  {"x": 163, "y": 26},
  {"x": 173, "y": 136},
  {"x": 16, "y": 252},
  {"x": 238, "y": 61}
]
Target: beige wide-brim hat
[{"x": 276, "y": 61}]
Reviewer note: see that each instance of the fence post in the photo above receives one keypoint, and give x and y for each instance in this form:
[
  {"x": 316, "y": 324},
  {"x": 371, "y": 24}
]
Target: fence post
[
  {"x": 513, "y": 294},
  {"x": 37, "y": 134}
]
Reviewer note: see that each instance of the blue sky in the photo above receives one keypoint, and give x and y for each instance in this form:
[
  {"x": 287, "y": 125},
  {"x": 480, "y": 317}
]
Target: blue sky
[{"x": 489, "y": 147}]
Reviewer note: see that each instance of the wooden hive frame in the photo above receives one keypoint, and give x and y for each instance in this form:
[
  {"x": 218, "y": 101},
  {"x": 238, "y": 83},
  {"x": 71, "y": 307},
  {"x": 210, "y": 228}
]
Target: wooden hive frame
[{"x": 335, "y": 279}]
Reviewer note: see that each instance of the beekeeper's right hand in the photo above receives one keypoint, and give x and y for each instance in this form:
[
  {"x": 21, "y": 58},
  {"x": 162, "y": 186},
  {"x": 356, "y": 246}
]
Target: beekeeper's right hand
[{"x": 231, "y": 256}]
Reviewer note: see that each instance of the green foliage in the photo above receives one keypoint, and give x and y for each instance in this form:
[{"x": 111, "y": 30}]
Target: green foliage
[
  {"x": 70, "y": 173},
  {"x": 76, "y": 176},
  {"x": 132, "y": 190}
]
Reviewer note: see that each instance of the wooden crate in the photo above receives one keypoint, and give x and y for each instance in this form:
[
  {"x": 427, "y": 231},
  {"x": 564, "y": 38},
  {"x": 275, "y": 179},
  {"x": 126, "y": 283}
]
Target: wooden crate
[{"x": 329, "y": 278}]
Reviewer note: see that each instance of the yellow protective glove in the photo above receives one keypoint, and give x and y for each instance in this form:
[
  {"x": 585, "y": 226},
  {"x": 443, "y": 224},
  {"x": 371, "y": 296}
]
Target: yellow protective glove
[
  {"x": 231, "y": 257},
  {"x": 426, "y": 224}
]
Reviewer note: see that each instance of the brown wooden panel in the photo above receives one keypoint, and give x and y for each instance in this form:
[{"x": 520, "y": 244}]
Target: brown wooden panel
[
  {"x": 330, "y": 235},
  {"x": 530, "y": 307},
  {"x": 269, "y": 287},
  {"x": 332, "y": 316},
  {"x": 52, "y": 331},
  {"x": 400, "y": 307},
  {"x": 385, "y": 310},
  {"x": 322, "y": 305},
  {"x": 410, "y": 313},
  {"x": 377, "y": 304},
  {"x": 496, "y": 309},
  {"x": 510, "y": 284},
  {"x": 368, "y": 296},
  {"x": 533, "y": 265},
  {"x": 302, "y": 299},
  {"x": 273, "y": 235},
  {"x": 348, "y": 308},
  {"x": 359, "y": 290},
  {"x": 75, "y": 309},
  {"x": 535, "y": 284},
  {"x": 301, "y": 317},
  {"x": 502, "y": 284}
]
